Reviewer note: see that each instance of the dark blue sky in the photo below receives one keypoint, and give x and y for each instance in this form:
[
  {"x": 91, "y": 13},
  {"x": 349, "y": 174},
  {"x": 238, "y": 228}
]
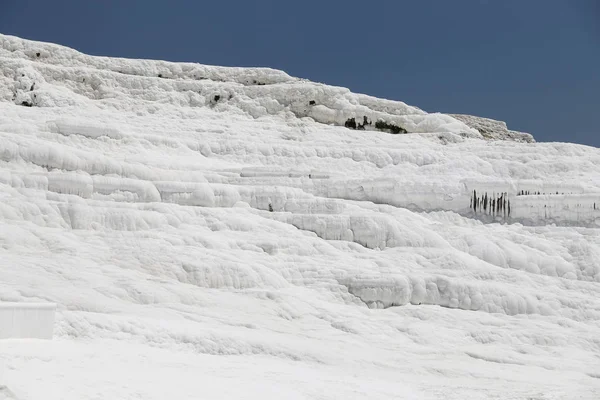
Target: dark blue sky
[{"x": 532, "y": 63}]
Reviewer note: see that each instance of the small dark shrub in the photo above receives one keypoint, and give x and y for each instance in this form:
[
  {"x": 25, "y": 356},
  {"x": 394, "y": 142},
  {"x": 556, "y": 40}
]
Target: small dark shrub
[
  {"x": 270, "y": 207},
  {"x": 217, "y": 98},
  {"x": 384, "y": 126},
  {"x": 350, "y": 123},
  {"x": 37, "y": 54},
  {"x": 312, "y": 102}
]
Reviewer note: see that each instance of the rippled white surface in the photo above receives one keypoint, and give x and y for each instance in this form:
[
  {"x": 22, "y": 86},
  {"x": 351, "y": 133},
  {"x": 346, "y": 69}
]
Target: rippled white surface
[{"x": 248, "y": 246}]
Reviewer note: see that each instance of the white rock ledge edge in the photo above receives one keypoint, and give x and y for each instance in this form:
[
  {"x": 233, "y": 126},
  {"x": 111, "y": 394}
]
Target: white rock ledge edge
[{"x": 27, "y": 320}]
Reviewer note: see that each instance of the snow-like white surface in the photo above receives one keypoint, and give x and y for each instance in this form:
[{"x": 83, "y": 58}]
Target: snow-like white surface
[{"x": 250, "y": 246}]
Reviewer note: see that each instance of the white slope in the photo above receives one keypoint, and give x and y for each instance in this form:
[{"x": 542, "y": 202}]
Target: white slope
[{"x": 212, "y": 234}]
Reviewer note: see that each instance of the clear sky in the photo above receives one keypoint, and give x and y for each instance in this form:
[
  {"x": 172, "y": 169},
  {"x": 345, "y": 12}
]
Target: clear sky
[{"x": 532, "y": 63}]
